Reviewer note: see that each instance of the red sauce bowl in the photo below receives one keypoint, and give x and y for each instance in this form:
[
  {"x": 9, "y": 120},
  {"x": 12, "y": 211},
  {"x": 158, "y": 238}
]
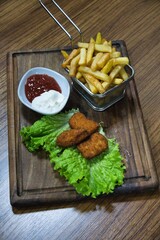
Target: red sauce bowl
[{"x": 60, "y": 80}]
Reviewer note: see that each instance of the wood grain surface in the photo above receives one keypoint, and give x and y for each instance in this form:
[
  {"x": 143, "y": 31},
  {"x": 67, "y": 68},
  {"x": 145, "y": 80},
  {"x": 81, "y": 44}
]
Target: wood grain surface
[
  {"x": 34, "y": 187},
  {"x": 24, "y": 25}
]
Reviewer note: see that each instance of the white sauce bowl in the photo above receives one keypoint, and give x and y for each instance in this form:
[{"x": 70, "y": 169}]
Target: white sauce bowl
[{"x": 61, "y": 80}]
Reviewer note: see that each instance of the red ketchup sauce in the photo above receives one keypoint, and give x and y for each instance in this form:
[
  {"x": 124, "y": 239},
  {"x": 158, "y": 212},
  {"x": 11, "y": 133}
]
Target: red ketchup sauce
[{"x": 38, "y": 84}]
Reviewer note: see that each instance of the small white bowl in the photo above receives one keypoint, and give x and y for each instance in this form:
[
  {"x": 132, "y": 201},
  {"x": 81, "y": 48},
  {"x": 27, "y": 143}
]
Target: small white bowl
[{"x": 61, "y": 80}]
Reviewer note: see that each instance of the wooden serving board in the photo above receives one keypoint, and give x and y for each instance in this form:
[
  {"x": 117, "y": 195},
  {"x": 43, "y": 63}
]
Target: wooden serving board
[{"x": 32, "y": 179}]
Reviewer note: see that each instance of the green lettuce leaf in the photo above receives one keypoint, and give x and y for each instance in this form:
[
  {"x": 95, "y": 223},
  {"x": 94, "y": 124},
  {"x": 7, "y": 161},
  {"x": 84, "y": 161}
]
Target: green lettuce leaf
[
  {"x": 91, "y": 177},
  {"x": 99, "y": 175},
  {"x": 48, "y": 127}
]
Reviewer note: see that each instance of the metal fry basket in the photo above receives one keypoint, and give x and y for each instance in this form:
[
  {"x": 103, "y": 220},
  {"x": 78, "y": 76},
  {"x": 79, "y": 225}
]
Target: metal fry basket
[
  {"x": 98, "y": 102},
  {"x": 59, "y": 24}
]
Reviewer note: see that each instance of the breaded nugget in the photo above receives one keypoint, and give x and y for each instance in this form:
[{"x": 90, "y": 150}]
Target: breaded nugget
[
  {"x": 71, "y": 137},
  {"x": 78, "y": 120},
  {"x": 93, "y": 146}
]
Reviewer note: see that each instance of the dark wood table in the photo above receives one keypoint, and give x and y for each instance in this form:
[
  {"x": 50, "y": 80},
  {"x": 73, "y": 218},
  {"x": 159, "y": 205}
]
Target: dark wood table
[{"x": 25, "y": 26}]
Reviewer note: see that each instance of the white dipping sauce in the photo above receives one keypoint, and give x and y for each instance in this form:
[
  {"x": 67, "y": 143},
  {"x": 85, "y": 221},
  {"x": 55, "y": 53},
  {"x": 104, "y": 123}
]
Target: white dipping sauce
[{"x": 48, "y": 101}]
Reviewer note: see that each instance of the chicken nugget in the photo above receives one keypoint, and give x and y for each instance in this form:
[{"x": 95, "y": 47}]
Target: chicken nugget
[
  {"x": 79, "y": 120},
  {"x": 71, "y": 137},
  {"x": 93, "y": 146}
]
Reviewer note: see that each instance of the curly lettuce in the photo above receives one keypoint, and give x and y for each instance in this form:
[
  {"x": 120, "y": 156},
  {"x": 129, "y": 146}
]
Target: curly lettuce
[
  {"x": 99, "y": 175},
  {"x": 48, "y": 127}
]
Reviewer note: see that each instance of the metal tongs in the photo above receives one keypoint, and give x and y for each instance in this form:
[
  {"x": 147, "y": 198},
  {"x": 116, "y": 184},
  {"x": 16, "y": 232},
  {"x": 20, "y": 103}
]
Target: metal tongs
[{"x": 59, "y": 24}]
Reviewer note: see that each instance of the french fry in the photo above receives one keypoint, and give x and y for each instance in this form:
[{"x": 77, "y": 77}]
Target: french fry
[
  {"x": 99, "y": 38},
  {"x": 73, "y": 54},
  {"x": 83, "y": 53},
  {"x": 92, "y": 88},
  {"x": 103, "y": 48},
  {"x": 90, "y": 52},
  {"x": 97, "y": 64},
  {"x": 94, "y": 65},
  {"x": 115, "y": 71},
  {"x": 117, "y": 81},
  {"x": 105, "y": 85},
  {"x": 120, "y": 61},
  {"x": 97, "y": 74},
  {"x": 82, "y": 45},
  {"x": 107, "y": 68},
  {"x": 65, "y": 54},
  {"x": 98, "y": 47},
  {"x": 82, "y": 80},
  {"x": 68, "y": 66},
  {"x": 78, "y": 75},
  {"x": 110, "y": 43},
  {"x": 94, "y": 81},
  {"x": 92, "y": 40},
  {"x": 115, "y": 54},
  {"x": 103, "y": 40},
  {"x": 73, "y": 66},
  {"x": 107, "y": 43},
  {"x": 123, "y": 74},
  {"x": 113, "y": 49},
  {"x": 103, "y": 60}
]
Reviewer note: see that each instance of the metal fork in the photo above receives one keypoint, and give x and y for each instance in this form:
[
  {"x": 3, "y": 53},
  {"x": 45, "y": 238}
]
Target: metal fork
[{"x": 59, "y": 24}]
